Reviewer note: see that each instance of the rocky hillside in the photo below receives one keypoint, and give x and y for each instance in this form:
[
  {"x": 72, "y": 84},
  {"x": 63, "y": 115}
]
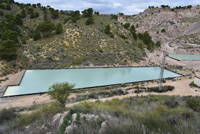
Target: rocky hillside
[
  {"x": 133, "y": 115},
  {"x": 174, "y": 27},
  {"x": 42, "y": 37}
]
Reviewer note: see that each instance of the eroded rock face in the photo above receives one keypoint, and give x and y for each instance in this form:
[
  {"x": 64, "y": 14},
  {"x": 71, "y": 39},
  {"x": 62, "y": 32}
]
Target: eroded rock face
[
  {"x": 103, "y": 126},
  {"x": 176, "y": 23},
  {"x": 69, "y": 129},
  {"x": 62, "y": 118},
  {"x": 56, "y": 118}
]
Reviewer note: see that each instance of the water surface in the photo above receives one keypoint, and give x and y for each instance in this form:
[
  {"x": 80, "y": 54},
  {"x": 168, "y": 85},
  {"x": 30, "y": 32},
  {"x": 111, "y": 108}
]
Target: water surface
[
  {"x": 36, "y": 81},
  {"x": 188, "y": 57}
]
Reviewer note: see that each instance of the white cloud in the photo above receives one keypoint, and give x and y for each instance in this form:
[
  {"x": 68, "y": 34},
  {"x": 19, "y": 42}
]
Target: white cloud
[
  {"x": 117, "y": 4},
  {"x": 110, "y": 6}
]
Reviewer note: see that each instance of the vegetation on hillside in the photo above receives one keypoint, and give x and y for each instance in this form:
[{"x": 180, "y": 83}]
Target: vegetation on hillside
[
  {"x": 150, "y": 114},
  {"x": 168, "y": 7},
  {"x": 42, "y": 37}
]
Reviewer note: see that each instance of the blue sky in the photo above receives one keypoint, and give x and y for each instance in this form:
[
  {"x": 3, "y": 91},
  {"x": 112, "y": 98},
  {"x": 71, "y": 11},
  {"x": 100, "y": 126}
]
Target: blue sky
[{"x": 128, "y": 7}]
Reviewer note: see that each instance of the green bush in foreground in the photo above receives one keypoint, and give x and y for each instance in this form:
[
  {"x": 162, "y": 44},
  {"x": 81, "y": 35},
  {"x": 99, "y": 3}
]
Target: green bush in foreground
[
  {"x": 60, "y": 92},
  {"x": 7, "y": 115},
  {"x": 42, "y": 112},
  {"x": 162, "y": 116},
  {"x": 193, "y": 103}
]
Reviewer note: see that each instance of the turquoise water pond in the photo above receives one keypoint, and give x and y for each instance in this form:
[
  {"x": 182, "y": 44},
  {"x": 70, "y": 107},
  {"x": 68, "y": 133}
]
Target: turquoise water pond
[
  {"x": 188, "y": 57},
  {"x": 37, "y": 81}
]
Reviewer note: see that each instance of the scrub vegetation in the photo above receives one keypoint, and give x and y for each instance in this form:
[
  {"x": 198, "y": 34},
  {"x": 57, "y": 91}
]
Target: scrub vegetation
[
  {"x": 60, "y": 92},
  {"x": 35, "y": 36},
  {"x": 134, "y": 115}
]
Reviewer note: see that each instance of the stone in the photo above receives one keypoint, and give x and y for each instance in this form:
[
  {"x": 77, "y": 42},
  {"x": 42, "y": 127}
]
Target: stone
[
  {"x": 62, "y": 118},
  {"x": 27, "y": 127},
  {"x": 69, "y": 129},
  {"x": 103, "y": 126},
  {"x": 74, "y": 116},
  {"x": 43, "y": 127},
  {"x": 56, "y": 118}
]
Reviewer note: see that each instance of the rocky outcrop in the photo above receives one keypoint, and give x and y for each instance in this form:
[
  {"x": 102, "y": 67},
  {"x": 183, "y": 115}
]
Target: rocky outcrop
[{"x": 167, "y": 25}]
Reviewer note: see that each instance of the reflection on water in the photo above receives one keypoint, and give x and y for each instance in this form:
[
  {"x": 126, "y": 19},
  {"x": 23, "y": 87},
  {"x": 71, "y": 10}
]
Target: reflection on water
[{"x": 36, "y": 81}]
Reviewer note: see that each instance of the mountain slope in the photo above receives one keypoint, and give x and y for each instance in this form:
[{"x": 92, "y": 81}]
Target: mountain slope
[
  {"x": 83, "y": 39},
  {"x": 167, "y": 25}
]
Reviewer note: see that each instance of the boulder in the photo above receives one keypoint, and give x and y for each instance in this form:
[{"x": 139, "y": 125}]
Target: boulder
[
  {"x": 69, "y": 129},
  {"x": 103, "y": 126},
  {"x": 74, "y": 116},
  {"x": 56, "y": 118},
  {"x": 62, "y": 118}
]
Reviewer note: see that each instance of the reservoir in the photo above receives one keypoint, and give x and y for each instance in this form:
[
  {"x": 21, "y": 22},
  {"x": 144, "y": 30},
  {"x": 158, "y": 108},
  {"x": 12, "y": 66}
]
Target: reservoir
[{"x": 39, "y": 81}]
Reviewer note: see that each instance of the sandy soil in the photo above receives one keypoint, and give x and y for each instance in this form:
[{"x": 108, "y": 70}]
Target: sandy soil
[{"x": 23, "y": 101}]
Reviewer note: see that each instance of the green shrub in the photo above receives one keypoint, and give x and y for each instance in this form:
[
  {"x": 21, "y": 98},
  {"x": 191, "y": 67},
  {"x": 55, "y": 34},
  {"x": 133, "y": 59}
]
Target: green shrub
[
  {"x": 36, "y": 35},
  {"x": 8, "y": 46},
  {"x": 158, "y": 43},
  {"x": 46, "y": 28},
  {"x": 138, "y": 91},
  {"x": 107, "y": 29},
  {"x": 59, "y": 28},
  {"x": 163, "y": 31},
  {"x": 39, "y": 114},
  {"x": 181, "y": 112},
  {"x": 111, "y": 35},
  {"x": 171, "y": 102},
  {"x": 27, "y": 119},
  {"x": 10, "y": 35},
  {"x": 164, "y": 89},
  {"x": 67, "y": 19},
  {"x": 156, "y": 98},
  {"x": 77, "y": 63},
  {"x": 54, "y": 13},
  {"x": 7, "y": 115},
  {"x": 89, "y": 21},
  {"x": 122, "y": 36},
  {"x": 78, "y": 117},
  {"x": 114, "y": 17},
  {"x": 87, "y": 12},
  {"x": 66, "y": 122},
  {"x": 97, "y": 13},
  {"x": 123, "y": 85},
  {"x": 126, "y": 25},
  {"x": 193, "y": 103}
]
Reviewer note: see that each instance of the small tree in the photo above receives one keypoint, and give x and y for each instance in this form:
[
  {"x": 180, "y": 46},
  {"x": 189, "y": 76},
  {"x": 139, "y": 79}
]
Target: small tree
[
  {"x": 89, "y": 21},
  {"x": 127, "y": 25},
  {"x": 38, "y": 4},
  {"x": 87, "y": 12},
  {"x": 23, "y": 14},
  {"x": 46, "y": 28},
  {"x": 60, "y": 92},
  {"x": 36, "y": 35},
  {"x": 59, "y": 28},
  {"x": 107, "y": 29},
  {"x": 163, "y": 31},
  {"x": 133, "y": 32},
  {"x": 10, "y": 35},
  {"x": 8, "y": 46}
]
